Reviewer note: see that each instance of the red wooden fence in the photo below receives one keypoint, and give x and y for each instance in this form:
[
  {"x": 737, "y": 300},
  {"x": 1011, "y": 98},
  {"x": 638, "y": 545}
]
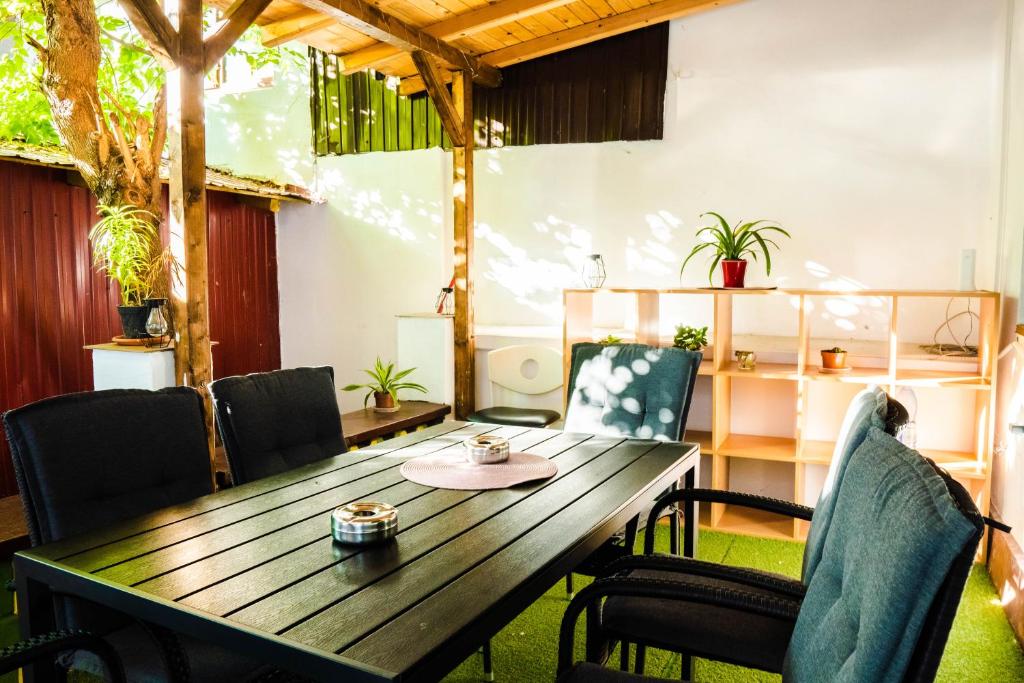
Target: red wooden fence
[{"x": 52, "y": 303}]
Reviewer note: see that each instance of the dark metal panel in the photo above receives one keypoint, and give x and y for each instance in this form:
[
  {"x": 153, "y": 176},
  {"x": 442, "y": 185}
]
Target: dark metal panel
[
  {"x": 52, "y": 302},
  {"x": 613, "y": 89}
]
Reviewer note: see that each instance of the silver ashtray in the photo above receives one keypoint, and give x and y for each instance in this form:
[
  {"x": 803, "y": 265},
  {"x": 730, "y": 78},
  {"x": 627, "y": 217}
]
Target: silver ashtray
[
  {"x": 486, "y": 450},
  {"x": 364, "y": 523}
]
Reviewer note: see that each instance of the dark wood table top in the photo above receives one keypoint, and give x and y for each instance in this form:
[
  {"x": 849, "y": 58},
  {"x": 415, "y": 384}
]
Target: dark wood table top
[
  {"x": 365, "y": 425},
  {"x": 254, "y": 567}
]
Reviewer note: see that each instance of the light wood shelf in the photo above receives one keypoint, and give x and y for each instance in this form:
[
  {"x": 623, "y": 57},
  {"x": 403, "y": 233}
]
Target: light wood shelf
[{"x": 891, "y": 363}]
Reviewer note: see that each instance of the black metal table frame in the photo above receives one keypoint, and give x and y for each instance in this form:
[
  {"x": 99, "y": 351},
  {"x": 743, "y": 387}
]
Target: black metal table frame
[{"x": 38, "y": 580}]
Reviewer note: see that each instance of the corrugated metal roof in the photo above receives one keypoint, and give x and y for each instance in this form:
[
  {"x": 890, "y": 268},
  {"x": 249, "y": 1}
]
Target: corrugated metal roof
[{"x": 216, "y": 178}]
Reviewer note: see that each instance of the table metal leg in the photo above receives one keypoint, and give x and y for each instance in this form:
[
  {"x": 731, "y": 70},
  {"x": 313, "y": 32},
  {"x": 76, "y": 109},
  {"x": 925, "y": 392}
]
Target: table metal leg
[
  {"x": 35, "y": 618},
  {"x": 673, "y": 527},
  {"x": 691, "y": 512}
]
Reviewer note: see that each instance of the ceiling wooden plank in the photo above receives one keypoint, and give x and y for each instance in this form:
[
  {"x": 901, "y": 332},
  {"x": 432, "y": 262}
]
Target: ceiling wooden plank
[
  {"x": 371, "y": 21},
  {"x": 294, "y": 27},
  {"x": 446, "y": 111},
  {"x": 148, "y": 18},
  {"x": 241, "y": 15},
  {"x": 455, "y": 28},
  {"x": 584, "y": 33}
]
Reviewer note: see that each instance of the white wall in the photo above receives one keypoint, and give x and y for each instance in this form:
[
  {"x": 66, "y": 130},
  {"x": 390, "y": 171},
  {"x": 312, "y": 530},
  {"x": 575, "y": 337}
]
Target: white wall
[{"x": 872, "y": 130}]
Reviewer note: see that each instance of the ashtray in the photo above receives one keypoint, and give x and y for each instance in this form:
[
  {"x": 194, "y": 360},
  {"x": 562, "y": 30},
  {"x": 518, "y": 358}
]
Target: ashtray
[
  {"x": 486, "y": 450},
  {"x": 364, "y": 523}
]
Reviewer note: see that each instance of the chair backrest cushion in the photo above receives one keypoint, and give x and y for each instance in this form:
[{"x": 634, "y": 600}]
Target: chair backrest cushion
[
  {"x": 631, "y": 390},
  {"x": 87, "y": 460},
  {"x": 866, "y": 410},
  {"x": 895, "y": 537},
  {"x": 271, "y": 422},
  {"x": 529, "y": 369}
]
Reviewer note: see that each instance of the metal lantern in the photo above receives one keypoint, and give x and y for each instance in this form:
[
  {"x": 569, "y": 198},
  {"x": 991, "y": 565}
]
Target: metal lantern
[
  {"x": 593, "y": 272},
  {"x": 156, "y": 322}
]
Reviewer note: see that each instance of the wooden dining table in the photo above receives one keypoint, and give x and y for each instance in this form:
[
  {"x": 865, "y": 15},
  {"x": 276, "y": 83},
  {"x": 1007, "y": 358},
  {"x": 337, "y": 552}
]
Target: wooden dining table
[{"x": 254, "y": 568}]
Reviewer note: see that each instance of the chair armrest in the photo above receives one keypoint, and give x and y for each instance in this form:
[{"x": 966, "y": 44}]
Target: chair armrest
[
  {"x": 52, "y": 644},
  {"x": 685, "y": 566},
  {"x": 781, "y": 507},
  {"x": 684, "y": 591}
]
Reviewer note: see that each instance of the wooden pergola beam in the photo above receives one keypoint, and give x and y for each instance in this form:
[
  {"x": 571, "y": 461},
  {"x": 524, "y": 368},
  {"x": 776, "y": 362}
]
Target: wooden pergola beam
[
  {"x": 450, "y": 117},
  {"x": 459, "y": 26},
  {"x": 583, "y": 34},
  {"x": 371, "y": 21},
  {"x": 156, "y": 30},
  {"x": 240, "y": 17},
  {"x": 293, "y": 27},
  {"x": 462, "y": 198}
]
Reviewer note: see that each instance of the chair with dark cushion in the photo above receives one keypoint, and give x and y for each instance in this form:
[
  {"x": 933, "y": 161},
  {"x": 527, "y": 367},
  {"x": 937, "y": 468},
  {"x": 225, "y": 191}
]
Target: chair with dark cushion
[
  {"x": 635, "y": 391},
  {"x": 880, "y": 603},
  {"x": 743, "y": 638},
  {"x": 520, "y": 373},
  {"x": 85, "y": 461},
  {"x": 271, "y": 422}
]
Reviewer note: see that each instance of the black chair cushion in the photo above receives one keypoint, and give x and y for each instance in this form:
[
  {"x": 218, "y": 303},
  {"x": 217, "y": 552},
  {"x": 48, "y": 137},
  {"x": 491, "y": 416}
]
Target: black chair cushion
[
  {"x": 84, "y": 461},
  {"x": 515, "y": 417},
  {"x": 702, "y": 630},
  {"x": 585, "y": 672},
  {"x": 272, "y": 422}
]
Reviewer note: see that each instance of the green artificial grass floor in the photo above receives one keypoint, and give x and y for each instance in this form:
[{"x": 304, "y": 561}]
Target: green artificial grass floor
[{"x": 981, "y": 646}]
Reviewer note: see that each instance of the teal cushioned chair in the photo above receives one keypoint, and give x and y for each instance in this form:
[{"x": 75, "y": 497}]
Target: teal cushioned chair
[
  {"x": 634, "y": 391},
  {"x": 880, "y": 603},
  {"x": 746, "y": 639}
]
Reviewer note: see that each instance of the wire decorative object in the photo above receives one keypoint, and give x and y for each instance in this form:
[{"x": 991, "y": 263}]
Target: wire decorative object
[{"x": 959, "y": 348}]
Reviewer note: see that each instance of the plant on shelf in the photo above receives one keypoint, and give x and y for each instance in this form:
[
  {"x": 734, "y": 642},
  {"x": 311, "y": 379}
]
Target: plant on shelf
[
  {"x": 126, "y": 246},
  {"x": 730, "y": 244},
  {"x": 833, "y": 359},
  {"x": 386, "y": 384},
  {"x": 690, "y": 338},
  {"x": 610, "y": 339}
]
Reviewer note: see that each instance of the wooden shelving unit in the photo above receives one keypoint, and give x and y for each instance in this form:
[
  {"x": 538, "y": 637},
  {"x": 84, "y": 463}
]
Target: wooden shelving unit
[{"x": 791, "y": 369}]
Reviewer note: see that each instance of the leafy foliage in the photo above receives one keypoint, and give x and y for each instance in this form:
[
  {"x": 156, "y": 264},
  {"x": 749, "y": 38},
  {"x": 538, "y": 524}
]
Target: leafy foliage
[
  {"x": 690, "y": 338},
  {"x": 735, "y": 242},
  {"x": 610, "y": 339},
  {"x": 129, "y": 79},
  {"x": 122, "y": 246},
  {"x": 385, "y": 381}
]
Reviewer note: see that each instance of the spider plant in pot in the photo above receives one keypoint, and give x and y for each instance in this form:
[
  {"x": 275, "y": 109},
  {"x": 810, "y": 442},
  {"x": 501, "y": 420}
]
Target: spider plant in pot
[
  {"x": 731, "y": 243},
  {"x": 125, "y": 246},
  {"x": 385, "y": 385}
]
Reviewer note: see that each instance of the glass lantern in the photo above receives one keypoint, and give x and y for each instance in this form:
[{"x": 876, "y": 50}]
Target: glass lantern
[
  {"x": 593, "y": 272},
  {"x": 156, "y": 323}
]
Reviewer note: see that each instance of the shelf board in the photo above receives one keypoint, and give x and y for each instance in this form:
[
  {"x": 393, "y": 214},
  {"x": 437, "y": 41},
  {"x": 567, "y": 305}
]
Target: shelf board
[
  {"x": 755, "y": 447},
  {"x": 763, "y": 371},
  {"x": 854, "y": 376},
  {"x": 706, "y": 368},
  {"x": 817, "y": 452},
  {"x": 967, "y": 379},
  {"x": 960, "y": 464},
  {"x": 702, "y": 438},
  {"x": 748, "y": 522}
]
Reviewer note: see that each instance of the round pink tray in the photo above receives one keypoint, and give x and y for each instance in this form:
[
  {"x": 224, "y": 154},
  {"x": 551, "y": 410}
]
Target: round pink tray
[{"x": 453, "y": 472}]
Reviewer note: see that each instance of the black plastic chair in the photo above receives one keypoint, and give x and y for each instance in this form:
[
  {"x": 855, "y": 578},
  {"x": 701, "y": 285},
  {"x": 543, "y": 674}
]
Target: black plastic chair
[
  {"x": 631, "y": 390},
  {"x": 48, "y": 647},
  {"x": 271, "y": 422},
  {"x": 685, "y": 584},
  {"x": 85, "y": 461}
]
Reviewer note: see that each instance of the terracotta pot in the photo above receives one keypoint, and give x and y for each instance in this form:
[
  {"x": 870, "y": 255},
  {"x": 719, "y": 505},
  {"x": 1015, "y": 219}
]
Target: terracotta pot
[
  {"x": 733, "y": 272},
  {"x": 383, "y": 400},
  {"x": 831, "y": 360}
]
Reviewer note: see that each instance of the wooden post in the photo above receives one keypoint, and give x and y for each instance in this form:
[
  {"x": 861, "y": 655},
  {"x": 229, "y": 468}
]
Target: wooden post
[
  {"x": 462, "y": 195},
  {"x": 188, "y": 195}
]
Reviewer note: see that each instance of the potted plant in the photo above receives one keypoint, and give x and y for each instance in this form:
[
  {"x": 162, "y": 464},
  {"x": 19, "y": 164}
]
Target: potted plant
[
  {"x": 833, "y": 359},
  {"x": 730, "y": 244},
  {"x": 124, "y": 247},
  {"x": 385, "y": 385},
  {"x": 610, "y": 339},
  {"x": 690, "y": 338}
]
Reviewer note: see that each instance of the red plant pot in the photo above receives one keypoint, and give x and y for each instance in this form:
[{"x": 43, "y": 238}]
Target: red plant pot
[{"x": 733, "y": 272}]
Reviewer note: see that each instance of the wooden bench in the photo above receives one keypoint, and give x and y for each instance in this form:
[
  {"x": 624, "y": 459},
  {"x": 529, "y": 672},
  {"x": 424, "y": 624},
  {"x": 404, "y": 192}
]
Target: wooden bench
[{"x": 360, "y": 427}]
